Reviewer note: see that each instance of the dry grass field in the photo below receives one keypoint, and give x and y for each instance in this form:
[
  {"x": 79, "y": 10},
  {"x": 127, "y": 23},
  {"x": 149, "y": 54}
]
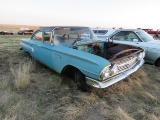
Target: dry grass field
[{"x": 31, "y": 91}]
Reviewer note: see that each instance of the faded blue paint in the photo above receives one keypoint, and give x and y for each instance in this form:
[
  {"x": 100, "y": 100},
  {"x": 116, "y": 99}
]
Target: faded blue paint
[{"x": 57, "y": 57}]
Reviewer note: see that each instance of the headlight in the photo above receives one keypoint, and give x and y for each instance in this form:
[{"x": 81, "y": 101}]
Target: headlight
[
  {"x": 108, "y": 71},
  {"x": 105, "y": 73},
  {"x": 141, "y": 56},
  {"x": 114, "y": 69}
]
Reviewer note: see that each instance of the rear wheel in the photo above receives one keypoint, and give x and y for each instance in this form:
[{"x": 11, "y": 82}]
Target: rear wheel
[{"x": 81, "y": 81}]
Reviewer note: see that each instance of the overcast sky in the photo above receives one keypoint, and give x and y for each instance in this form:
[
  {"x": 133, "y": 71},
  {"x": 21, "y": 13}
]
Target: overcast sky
[{"x": 92, "y": 13}]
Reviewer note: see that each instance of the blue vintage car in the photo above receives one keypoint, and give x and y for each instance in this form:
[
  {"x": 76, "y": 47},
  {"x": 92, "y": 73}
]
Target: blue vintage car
[{"x": 73, "y": 50}]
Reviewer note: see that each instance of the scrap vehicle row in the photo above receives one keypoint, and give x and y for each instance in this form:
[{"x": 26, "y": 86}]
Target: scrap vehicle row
[
  {"x": 22, "y": 31},
  {"x": 90, "y": 56},
  {"x": 79, "y": 53}
]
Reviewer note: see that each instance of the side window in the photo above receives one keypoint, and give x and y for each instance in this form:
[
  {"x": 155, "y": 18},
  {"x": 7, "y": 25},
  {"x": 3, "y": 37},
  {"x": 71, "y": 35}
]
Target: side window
[
  {"x": 47, "y": 37},
  {"x": 38, "y": 36},
  {"x": 119, "y": 36},
  {"x": 132, "y": 36},
  {"x": 94, "y": 31},
  {"x": 125, "y": 36},
  {"x": 102, "y": 32}
]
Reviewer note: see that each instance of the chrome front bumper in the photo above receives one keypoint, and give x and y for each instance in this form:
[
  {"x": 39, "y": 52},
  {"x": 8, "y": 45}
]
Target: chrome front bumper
[{"x": 123, "y": 75}]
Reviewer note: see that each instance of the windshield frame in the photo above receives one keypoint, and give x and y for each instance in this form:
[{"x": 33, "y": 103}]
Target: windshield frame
[
  {"x": 90, "y": 36},
  {"x": 148, "y": 37}
]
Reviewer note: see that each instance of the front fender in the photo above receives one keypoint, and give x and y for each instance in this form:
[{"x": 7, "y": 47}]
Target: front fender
[
  {"x": 89, "y": 64},
  {"x": 153, "y": 54}
]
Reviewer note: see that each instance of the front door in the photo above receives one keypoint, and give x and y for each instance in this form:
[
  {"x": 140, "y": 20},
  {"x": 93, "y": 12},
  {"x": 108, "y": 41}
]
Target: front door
[
  {"x": 36, "y": 44},
  {"x": 46, "y": 50}
]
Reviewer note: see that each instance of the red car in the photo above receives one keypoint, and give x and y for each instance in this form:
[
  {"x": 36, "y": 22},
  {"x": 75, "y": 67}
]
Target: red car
[
  {"x": 150, "y": 31},
  {"x": 25, "y": 31},
  {"x": 154, "y": 33}
]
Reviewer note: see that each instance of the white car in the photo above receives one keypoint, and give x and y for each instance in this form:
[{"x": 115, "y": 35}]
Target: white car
[
  {"x": 141, "y": 39},
  {"x": 102, "y": 33}
]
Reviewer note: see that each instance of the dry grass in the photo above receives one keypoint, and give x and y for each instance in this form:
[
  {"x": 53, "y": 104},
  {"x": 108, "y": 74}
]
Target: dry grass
[
  {"x": 10, "y": 118},
  {"x": 122, "y": 115},
  {"x": 148, "y": 96},
  {"x": 22, "y": 75},
  {"x": 153, "y": 117},
  {"x": 49, "y": 96}
]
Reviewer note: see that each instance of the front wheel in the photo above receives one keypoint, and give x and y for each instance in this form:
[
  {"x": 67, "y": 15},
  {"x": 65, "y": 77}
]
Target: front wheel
[
  {"x": 81, "y": 81},
  {"x": 157, "y": 63}
]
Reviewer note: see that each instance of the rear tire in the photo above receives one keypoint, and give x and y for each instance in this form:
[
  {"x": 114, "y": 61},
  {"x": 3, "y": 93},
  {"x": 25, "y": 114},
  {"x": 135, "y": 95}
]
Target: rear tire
[
  {"x": 157, "y": 63},
  {"x": 80, "y": 81}
]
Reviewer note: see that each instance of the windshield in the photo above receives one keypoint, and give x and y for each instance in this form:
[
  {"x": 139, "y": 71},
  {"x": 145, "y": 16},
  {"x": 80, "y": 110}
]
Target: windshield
[
  {"x": 70, "y": 35},
  {"x": 144, "y": 36}
]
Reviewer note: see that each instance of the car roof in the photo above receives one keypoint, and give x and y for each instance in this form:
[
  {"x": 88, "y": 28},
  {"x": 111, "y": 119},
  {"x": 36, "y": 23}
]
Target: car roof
[
  {"x": 118, "y": 30},
  {"x": 53, "y": 27},
  {"x": 101, "y": 29},
  {"x": 135, "y": 30}
]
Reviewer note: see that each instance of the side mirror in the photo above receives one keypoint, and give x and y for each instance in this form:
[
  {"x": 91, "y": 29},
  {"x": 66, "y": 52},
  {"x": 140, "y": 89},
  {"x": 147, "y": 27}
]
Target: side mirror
[
  {"x": 135, "y": 40},
  {"x": 107, "y": 38}
]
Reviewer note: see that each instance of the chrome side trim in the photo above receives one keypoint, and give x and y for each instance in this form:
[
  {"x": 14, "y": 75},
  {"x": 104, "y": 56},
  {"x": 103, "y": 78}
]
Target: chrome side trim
[
  {"x": 27, "y": 47},
  {"x": 104, "y": 84}
]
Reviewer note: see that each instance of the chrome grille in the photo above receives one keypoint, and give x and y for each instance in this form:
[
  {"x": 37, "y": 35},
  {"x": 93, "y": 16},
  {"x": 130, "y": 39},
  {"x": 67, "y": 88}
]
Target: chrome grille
[{"x": 126, "y": 63}]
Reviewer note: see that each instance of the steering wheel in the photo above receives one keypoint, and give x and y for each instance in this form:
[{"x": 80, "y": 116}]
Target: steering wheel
[{"x": 77, "y": 39}]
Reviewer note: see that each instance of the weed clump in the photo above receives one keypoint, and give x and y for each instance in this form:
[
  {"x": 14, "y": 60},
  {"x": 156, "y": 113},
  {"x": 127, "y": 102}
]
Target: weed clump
[{"x": 21, "y": 75}]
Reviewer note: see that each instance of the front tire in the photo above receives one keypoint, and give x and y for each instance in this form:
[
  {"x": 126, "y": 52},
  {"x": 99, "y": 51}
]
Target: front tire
[
  {"x": 157, "y": 63},
  {"x": 81, "y": 81}
]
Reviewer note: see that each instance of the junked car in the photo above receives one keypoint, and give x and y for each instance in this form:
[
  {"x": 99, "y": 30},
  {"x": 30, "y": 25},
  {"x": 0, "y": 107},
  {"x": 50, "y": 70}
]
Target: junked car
[
  {"x": 25, "y": 31},
  {"x": 139, "y": 38},
  {"x": 102, "y": 33},
  {"x": 6, "y": 33},
  {"x": 73, "y": 50}
]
